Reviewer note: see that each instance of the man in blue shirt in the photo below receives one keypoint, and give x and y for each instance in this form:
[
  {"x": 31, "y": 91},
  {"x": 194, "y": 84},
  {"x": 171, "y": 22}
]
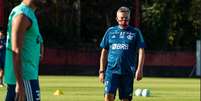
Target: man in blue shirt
[
  {"x": 2, "y": 54},
  {"x": 118, "y": 57}
]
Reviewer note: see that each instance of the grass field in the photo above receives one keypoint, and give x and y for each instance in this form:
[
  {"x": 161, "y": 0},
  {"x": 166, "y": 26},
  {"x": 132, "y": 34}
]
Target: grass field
[{"x": 84, "y": 88}]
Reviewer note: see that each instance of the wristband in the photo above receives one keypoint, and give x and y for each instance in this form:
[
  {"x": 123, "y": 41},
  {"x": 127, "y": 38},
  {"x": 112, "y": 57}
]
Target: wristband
[{"x": 102, "y": 71}]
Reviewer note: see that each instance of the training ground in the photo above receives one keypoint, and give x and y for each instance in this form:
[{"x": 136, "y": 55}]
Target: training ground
[{"x": 88, "y": 88}]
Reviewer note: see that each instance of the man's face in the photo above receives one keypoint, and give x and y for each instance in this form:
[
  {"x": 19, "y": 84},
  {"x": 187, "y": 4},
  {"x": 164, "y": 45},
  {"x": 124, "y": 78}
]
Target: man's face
[
  {"x": 123, "y": 19},
  {"x": 38, "y": 3},
  {"x": 1, "y": 34}
]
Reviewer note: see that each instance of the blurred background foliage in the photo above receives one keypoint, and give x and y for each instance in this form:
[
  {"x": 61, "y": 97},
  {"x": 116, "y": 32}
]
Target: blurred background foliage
[{"x": 167, "y": 25}]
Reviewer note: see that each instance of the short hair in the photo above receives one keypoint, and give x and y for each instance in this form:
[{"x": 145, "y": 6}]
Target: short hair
[{"x": 124, "y": 9}]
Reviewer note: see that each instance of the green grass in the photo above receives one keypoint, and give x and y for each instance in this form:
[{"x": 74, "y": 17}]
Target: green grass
[{"x": 84, "y": 88}]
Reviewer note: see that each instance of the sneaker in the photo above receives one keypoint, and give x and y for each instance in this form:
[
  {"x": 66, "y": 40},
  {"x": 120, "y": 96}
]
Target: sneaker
[{"x": 1, "y": 85}]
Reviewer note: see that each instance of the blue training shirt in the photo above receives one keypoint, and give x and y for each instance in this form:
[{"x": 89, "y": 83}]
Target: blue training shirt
[{"x": 122, "y": 46}]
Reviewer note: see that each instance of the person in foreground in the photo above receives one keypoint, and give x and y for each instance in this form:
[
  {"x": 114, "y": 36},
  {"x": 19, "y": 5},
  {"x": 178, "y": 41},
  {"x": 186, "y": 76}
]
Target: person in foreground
[
  {"x": 23, "y": 50},
  {"x": 2, "y": 55},
  {"x": 118, "y": 67}
]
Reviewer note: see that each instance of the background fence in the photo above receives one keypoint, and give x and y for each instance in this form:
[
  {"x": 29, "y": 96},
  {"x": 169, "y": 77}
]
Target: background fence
[{"x": 87, "y": 62}]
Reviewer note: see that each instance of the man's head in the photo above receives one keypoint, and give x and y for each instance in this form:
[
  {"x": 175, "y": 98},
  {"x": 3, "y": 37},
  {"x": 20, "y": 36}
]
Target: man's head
[
  {"x": 123, "y": 16},
  {"x": 1, "y": 28},
  {"x": 1, "y": 34},
  {"x": 1, "y": 31}
]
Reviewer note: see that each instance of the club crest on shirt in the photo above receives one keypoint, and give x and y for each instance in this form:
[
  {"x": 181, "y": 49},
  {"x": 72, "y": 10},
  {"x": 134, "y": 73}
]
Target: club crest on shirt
[{"x": 130, "y": 37}]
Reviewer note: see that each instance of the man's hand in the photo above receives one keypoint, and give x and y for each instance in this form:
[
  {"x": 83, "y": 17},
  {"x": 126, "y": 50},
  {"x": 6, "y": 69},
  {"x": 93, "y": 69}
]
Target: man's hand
[
  {"x": 139, "y": 75},
  {"x": 101, "y": 77},
  {"x": 20, "y": 93}
]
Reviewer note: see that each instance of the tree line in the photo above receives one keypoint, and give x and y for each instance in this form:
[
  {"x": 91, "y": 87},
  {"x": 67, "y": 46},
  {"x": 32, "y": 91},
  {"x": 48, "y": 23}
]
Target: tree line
[{"x": 166, "y": 24}]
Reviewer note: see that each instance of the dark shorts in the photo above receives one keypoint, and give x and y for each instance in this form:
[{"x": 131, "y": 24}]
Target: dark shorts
[
  {"x": 32, "y": 91},
  {"x": 124, "y": 83},
  {"x": 2, "y": 62}
]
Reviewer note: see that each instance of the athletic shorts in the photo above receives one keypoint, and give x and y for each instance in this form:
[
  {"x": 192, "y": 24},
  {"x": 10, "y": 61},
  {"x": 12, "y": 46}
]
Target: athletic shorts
[
  {"x": 124, "y": 84},
  {"x": 2, "y": 62},
  {"x": 32, "y": 91}
]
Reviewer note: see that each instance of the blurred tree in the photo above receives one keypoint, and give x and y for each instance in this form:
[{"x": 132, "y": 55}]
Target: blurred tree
[
  {"x": 97, "y": 16},
  {"x": 60, "y": 23},
  {"x": 166, "y": 24},
  {"x": 154, "y": 24},
  {"x": 195, "y": 17}
]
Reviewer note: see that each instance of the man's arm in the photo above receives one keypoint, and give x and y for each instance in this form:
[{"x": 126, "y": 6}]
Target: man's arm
[
  {"x": 19, "y": 26},
  {"x": 103, "y": 61},
  {"x": 141, "y": 57}
]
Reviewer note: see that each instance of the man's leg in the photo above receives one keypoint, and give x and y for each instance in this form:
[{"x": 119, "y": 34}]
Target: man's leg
[
  {"x": 10, "y": 96},
  {"x": 109, "y": 97},
  {"x": 32, "y": 90},
  {"x": 1, "y": 77},
  {"x": 1, "y": 72},
  {"x": 126, "y": 88},
  {"x": 124, "y": 100},
  {"x": 111, "y": 83}
]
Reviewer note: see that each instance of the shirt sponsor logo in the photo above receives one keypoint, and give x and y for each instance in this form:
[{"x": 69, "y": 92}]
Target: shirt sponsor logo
[{"x": 120, "y": 46}]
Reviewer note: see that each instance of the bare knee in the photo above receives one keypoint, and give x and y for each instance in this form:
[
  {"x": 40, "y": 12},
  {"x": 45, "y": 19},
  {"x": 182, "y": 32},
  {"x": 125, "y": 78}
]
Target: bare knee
[
  {"x": 124, "y": 100},
  {"x": 1, "y": 72},
  {"x": 109, "y": 97}
]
